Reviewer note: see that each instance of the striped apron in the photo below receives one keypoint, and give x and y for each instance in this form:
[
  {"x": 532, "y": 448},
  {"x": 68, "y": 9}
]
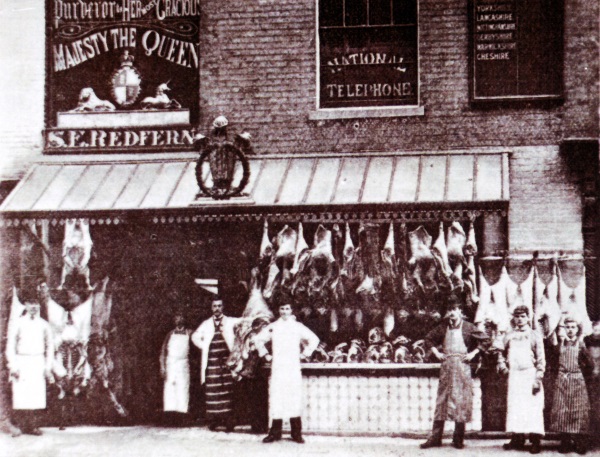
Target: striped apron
[
  {"x": 219, "y": 382},
  {"x": 571, "y": 406},
  {"x": 455, "y": 390}
]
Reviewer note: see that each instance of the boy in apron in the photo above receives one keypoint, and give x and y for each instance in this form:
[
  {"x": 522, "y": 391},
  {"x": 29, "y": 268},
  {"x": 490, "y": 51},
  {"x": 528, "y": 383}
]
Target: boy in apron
[{"x": 524, "y": 361}]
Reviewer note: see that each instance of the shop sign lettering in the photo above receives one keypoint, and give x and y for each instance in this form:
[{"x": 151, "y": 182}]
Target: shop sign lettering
[
  {"x": 383, "y": 75},
  {"x": 68, "y": 140},
  {"x": 124, "y": 63},
  {"x": 516, "y": 50}
]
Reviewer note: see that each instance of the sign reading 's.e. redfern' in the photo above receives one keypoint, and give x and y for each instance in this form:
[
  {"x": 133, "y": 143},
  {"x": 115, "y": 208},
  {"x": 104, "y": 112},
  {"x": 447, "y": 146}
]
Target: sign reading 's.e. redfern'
[{"x": 125, "y": 69}]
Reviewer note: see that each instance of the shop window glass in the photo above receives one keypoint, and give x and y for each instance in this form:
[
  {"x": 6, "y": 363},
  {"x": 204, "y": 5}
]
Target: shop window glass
[{"x": 368, "y": 53}]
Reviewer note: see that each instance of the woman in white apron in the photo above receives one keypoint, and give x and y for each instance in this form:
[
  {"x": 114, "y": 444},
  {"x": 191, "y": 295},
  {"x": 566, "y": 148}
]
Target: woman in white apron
[
  {"x": 175, "y": 370},
  {"x": 524, "y": 362}
]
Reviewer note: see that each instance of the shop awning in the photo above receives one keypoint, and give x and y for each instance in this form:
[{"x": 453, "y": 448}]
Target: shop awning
[{"x": 276, "y": 181}]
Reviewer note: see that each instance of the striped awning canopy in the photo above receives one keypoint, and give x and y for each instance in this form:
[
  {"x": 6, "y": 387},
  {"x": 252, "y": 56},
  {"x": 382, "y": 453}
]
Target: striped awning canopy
[{"x": 86, "y": 186}]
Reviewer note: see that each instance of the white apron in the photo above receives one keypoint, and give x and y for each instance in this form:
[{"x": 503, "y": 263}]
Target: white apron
[
  {"x": 285, "y": 384},
  {"x": 525, "y": 411},
  {"x": 29, "y": 389},
  {"x": 285, "y": 388},
  {"x": 177, "y": 383}
]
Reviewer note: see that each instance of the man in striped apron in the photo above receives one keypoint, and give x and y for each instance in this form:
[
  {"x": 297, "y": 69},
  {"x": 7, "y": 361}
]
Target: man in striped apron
[
  {"x": 215, "y": 338},
  {"x": 459, "y": 341},
  {"x": 571, "y": 405}
]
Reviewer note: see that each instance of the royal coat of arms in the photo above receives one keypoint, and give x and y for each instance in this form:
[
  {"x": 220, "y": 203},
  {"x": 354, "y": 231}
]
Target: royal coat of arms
[{"x": 126, "y": 81}]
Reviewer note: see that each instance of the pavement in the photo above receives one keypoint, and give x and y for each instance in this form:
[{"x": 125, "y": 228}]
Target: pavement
[{"x": 147, "y": 441}]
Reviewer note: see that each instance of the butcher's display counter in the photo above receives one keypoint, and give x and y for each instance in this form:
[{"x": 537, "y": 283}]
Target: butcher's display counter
[{"x": 374, "y": 398}]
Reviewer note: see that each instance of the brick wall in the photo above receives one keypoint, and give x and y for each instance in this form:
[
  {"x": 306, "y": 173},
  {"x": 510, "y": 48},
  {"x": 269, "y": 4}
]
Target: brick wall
[
  {"x": 545, "y": 206},
  {"x": 258, "y": 68}
]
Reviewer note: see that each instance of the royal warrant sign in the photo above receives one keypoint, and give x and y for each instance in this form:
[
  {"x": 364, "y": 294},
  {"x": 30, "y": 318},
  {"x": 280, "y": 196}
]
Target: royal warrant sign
[{"x": 121, "y": 75}]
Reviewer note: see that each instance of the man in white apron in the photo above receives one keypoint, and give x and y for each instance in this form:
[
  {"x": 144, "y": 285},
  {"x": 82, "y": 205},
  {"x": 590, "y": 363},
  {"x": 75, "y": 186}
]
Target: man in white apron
[
  {"x": 175, "y": 371},
  {"x": 285, "y": 386},
  {"x": 29, "y": 353},
  {"x": 524, "y": 361}
]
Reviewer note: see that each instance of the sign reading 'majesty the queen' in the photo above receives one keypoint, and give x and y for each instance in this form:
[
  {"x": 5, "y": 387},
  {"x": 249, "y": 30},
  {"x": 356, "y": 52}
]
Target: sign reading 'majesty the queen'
[{"x": 121, "y": 69}]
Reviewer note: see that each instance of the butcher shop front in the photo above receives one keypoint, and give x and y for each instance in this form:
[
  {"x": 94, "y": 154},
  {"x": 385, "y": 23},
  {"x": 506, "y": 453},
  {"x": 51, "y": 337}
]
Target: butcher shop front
[{"x": 368, "y": 248}]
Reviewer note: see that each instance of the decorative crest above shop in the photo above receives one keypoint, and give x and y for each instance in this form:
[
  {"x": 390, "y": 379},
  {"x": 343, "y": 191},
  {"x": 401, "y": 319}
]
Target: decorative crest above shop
[{"x": 222, "y": 170}]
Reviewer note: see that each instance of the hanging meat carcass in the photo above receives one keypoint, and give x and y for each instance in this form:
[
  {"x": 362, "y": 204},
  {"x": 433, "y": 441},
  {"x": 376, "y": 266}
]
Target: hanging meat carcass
[
  {"x": 440, "y": 254},
  {"x": 572, "y": 300},
  {"x": 279, "y": 278},
  {"x": 300, "y": 250},
  {"x": 519, "y": 294},
  {"x": 71, "y": 326},
  {"x": 348, "y": 254},
  {"x": 546, "y": 310},
  {"x": 422, "y": 261},
  {"x": 455, "y": 244},
  {"x": 17, "y": 309},
  {"x": 287, "y": 239},
  {"x": 266, "y": 258},
  {"x": 106, "y": 377},
  {"x": 389, "y": 269},
  {"x": 368, "y": 291},
  {"x": 389, "y": 281},
  {"x": 368, "y": 253},
  {"x": 77, "y": 250},
  {"x": 470, "y": 276},
  {"x": 324, "y": 283},
  {"x": 243, "y": 360},
  {"x": 492, "y": 304},
  {"x": 316, "y": 281},
  {"x": 268, "y": 265},
  {"x": 351, "y": 276}
]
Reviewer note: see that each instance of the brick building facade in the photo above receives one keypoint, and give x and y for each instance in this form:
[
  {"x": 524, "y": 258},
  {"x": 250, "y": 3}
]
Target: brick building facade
[{"x": 259, "y": 64}]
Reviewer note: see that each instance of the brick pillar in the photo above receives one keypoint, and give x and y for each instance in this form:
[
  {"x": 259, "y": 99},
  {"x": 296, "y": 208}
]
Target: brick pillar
[{"x": 582, "y": 157}]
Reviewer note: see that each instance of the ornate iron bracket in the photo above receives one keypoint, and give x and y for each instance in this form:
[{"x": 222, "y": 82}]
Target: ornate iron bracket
[{"x": 222, "y": 157}]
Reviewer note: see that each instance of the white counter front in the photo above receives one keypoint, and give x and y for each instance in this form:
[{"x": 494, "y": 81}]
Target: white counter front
[{"x": 374, "y": 398}]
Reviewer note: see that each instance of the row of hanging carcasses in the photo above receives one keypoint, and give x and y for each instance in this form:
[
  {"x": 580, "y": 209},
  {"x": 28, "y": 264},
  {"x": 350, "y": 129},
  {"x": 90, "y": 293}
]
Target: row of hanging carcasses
[
  {"x": 81, "y": 334},
  {"x": 334, "y": 273},
  {"x": 551, "y": 289}
]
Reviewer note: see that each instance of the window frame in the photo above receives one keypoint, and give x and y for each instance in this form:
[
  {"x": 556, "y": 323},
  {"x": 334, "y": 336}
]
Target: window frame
[{"x": 366, "y": 111}]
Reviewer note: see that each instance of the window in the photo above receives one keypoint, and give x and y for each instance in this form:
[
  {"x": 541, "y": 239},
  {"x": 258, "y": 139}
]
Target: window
[{"x": 368, "y": 53}]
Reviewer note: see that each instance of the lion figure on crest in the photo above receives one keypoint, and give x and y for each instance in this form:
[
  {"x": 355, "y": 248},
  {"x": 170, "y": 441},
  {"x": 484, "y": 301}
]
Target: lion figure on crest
[{"x": 89, "y": 101}]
